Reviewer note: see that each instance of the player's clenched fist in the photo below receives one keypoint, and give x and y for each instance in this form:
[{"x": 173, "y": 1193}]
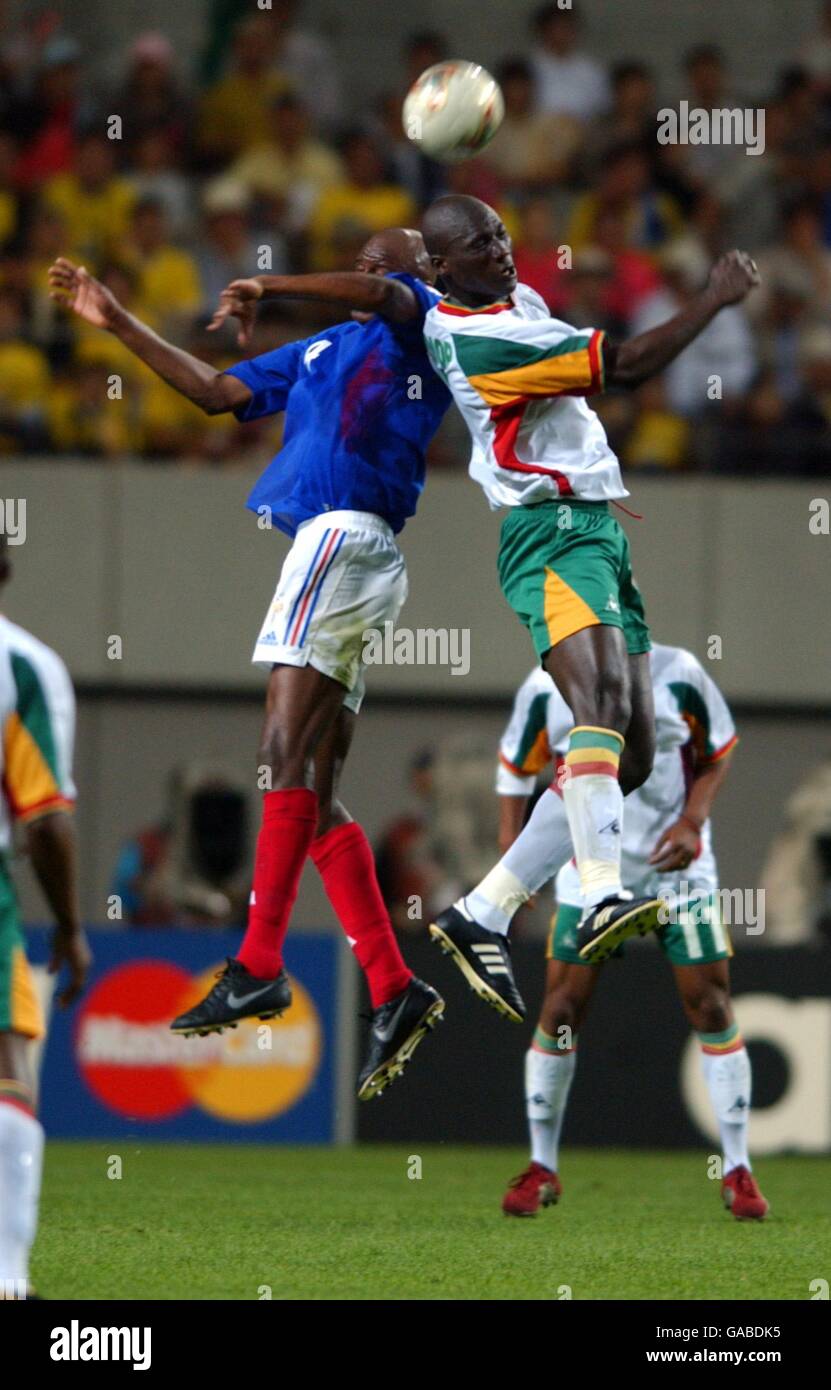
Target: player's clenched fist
[
  {"x": 73, "y": 286},
  {"x": 733, "y": 276}
]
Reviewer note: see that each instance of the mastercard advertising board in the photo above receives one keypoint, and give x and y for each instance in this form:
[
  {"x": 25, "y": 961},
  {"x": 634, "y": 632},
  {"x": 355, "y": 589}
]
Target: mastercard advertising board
[{"x": 111, "y": 1066}]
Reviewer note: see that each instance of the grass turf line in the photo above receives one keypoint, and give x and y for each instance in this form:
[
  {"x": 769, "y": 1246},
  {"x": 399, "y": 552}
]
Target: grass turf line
[{"x": 220, "y": 1221}]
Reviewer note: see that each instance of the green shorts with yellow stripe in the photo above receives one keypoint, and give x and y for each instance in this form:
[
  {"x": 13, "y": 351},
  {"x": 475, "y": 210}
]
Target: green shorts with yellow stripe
[
  {"x": 697, "y": 936},
  {"x": 564, "y": 565},
  {"x": 20, "y": 1010}
]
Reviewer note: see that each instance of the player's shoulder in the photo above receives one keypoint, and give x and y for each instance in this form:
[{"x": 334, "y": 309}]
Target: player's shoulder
[
  {"x": 529, "y": 300},
  {"x": 674, "y": 664},
  {"x": 20, "y": 650}
]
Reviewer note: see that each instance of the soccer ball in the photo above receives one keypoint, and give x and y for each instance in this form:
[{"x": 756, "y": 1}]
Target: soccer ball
[{"x": 453, "y": 110}]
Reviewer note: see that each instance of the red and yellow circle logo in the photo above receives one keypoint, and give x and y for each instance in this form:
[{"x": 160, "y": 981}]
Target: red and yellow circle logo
[{"x": 134, "y": 1064}]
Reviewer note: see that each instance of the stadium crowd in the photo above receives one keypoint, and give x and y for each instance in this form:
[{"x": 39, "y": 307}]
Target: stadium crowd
[{"x": 255, "y": 163}]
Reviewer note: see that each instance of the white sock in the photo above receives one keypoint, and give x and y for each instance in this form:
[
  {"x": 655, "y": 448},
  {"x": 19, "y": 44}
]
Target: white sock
[
  {"x": 21, "y": 1163},
  {"x": 594, "y": 806},
  {"x": 548, "y": 1078},
  {"x": 728, "y": 1079},
  {"x": 536, "y": 855}
]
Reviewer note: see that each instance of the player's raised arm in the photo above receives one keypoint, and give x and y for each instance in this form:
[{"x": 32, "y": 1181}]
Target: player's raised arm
[
  {"x": 348, "y": 289},
  {"x": 733, "y": 276},
  {"x": 213, "y": 391}
]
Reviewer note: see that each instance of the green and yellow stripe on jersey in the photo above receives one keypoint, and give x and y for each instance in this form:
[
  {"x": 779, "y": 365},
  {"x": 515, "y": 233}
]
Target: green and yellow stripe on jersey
[
  {"x": 506, "y": 372},
  {"x": 31, "y": 779}
]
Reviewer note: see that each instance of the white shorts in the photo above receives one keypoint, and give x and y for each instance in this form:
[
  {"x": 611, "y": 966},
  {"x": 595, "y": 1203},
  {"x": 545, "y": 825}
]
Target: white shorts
[{"x": 343, "y": 574}]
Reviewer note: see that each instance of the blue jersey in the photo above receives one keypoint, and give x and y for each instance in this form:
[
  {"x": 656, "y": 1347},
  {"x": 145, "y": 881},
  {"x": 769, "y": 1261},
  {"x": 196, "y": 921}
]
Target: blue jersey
[{"x": 362, "y": 403}]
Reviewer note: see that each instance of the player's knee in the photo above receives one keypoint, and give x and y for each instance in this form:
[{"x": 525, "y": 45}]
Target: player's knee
[
  {"x": 708, "y": 1008},
  {"x": 560, "y": 1010}
]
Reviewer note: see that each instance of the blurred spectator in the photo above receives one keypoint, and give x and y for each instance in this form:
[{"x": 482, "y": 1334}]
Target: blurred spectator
[
  {"x": 707, "y": 89},
  {"x": 536, "y": 253},
  {"x": 422, "y": 50},
  {"x": 307, "y": 61},
  {"x": 45, "y": 119},
  {"x": 659, "y": 439},
  {"x": 569, "y": 82},
  {"x": 800, "y": 255},
  {"x": 156, "y": 173},
  {"x": 49, "y": 327},
  {"x": 291, "y": 165},
  {"x": 716, "y": 369},
  {"x": 632, "y": 117},
  {"x": 84, "y": 419},
  {"x": 234, "y": 112},
  {"x": 191, "y": 869},
  {"x": 24, "y": 379},
  {"x": 814, "y": 53},
  {"x": 413, "y": 882},
  {"x": 751, "y": 191},
  {"x": 227, "y": 249},
  {"x": 167, "y": 280},
  {"x": 151, "y": 97},
  {"x": 9, "y": 204},
  {"x": 589, "y": 283},
  {"x": 533, "y": 149},
  {"x": 624, "y": 186},
  {"x": 94, "y": 202},
  {"x": 362, "y": 203},
  {"x": 634, "y": 273}
]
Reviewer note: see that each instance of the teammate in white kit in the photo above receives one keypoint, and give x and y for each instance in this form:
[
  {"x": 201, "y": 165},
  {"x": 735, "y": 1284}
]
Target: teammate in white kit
[
  {"x": 37, "y": 723},
  {"x": 667, "y": 851}
]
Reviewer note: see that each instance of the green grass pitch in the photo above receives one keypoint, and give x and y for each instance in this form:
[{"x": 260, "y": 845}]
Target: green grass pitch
[{"x": 217, "y": 1222}]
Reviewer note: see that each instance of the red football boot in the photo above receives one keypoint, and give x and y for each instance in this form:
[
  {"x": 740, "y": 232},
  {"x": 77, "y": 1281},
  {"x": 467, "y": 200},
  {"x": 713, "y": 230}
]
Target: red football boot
[
  {"x": 536, "y": 1187},
  {"x": 741, "y": 1195}
]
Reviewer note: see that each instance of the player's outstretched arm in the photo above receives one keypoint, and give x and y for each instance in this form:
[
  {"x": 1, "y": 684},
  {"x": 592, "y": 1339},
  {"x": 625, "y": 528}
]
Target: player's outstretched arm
[
  {"x": 212, "y": 391},
  {"x": 348, "y": 289},
  {"x": 53, "y": 852},
  {"x": 733, "y": 276}
]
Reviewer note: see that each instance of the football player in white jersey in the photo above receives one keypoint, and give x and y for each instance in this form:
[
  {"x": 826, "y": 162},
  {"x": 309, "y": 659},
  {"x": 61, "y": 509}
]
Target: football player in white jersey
[
  {"x": 667, "y": 851},
  {"x": 37, "y": 710},
  {"x": 518, "y": 377}
]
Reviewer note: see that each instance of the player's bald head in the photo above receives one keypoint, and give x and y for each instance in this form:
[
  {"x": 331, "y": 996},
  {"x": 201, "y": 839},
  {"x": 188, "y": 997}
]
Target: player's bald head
[
  {"x": 399, "y": 249},
  {"x": 453, "y": 216},
  {"x": 470, "y": 249}
]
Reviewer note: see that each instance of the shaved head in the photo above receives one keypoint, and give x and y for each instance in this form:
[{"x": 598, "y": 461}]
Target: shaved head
[
  {"x": 450, "y": 217},
  {"x": 396, "y": 249},
  {"x": 470, "y": 249}
]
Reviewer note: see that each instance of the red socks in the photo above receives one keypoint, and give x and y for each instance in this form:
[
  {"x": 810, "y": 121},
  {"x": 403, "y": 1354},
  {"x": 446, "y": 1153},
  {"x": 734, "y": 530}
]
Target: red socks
[
  {"x": 286, "y": 834},
  {"x": 345, "y": 862}
]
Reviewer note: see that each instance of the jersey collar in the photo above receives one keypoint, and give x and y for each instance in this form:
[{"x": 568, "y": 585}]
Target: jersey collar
[{"x": 452, "y": 306}]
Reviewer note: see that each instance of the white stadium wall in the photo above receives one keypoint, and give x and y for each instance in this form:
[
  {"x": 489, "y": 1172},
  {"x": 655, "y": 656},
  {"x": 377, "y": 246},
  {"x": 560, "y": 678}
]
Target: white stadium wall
[{"x": 169, "y": 561}]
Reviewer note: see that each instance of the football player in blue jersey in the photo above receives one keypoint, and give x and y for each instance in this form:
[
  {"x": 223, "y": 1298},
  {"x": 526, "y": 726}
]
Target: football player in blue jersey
[{"x": 361, "y": 403}]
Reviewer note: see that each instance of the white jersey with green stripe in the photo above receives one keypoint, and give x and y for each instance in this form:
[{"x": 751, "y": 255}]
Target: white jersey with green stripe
[
  {"x": 693, "y": 728},
  {"x": 37, "y": 720},
  {"x": 519, "y": 377}
]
